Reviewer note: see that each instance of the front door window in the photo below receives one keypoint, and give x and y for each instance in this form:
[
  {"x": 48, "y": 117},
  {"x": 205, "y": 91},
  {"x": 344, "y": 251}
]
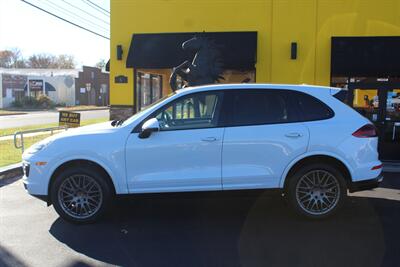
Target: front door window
[{"x": 190, "y": 112}]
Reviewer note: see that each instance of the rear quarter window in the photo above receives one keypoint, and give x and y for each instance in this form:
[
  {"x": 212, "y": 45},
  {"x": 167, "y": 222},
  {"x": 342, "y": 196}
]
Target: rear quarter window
[{"x": 311, "y": 108}]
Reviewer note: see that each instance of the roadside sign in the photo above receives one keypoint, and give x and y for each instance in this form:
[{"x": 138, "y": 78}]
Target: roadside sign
[
  {"x": 36, "y": 85},
  {"x": 70, "y": 119}
]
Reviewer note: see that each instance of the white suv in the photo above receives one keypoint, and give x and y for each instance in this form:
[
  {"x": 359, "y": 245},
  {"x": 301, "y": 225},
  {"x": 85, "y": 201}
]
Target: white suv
[{"x": 298, "y": 138}]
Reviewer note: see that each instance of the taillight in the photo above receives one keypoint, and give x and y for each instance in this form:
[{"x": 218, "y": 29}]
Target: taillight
[{"x": 366, "y": 131}]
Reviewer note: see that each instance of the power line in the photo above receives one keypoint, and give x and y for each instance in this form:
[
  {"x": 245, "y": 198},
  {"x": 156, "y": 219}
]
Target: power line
[
  {"x": 106, "y": 22},
  {"x": 65, "y": 20},
  {"x": 96, "y": 7},
  {"x": 63, "y": 10}
]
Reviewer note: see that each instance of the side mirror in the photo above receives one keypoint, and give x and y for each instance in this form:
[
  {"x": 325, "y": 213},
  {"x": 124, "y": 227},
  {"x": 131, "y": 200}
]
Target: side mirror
[{"x": 151, "y": 125}]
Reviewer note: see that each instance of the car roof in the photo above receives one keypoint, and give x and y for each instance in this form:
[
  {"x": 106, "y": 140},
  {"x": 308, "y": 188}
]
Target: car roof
[{"x": 312, "y": 89}]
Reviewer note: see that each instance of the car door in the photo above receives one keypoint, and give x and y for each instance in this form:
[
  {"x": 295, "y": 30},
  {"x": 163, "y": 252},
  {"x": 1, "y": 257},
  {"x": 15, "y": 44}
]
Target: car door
[
  {"x": 261, "y": 138},
  {"x": 185, "y": 155}
]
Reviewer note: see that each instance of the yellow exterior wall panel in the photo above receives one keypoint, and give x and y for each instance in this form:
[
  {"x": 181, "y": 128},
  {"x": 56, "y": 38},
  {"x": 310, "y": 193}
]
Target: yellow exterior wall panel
[
  {"x": 293, "y": 21},
  {"x": 310, "y": 23},
  {"x": 156, "y": 16}
]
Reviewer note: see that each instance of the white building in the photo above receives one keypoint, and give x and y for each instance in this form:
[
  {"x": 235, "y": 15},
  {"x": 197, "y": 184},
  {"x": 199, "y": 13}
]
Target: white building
[{"x": 58, "y": 84}]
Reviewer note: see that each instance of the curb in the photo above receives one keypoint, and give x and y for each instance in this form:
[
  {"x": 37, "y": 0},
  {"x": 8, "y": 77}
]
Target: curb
[
  {"x": 75, "y": 110},
  {"x": 10, "y": 171},
  {"x": 11, "y": 114},
  {"x": 25, "y": 111}
]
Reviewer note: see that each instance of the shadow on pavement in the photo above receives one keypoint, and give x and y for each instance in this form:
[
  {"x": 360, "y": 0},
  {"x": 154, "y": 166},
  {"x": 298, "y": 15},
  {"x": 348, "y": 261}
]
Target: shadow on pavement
[
  {"x": 7, "y": 259},
  {"x": 241, "y": 229}
]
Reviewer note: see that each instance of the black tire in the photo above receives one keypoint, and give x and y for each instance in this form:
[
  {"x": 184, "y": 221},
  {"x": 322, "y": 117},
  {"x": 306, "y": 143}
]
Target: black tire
[
  {"x": 322, "y": 200},
  {"x": 83, "y": 203}
]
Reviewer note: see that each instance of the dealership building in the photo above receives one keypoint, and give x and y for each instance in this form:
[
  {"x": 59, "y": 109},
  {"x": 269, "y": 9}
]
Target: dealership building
[{"x": 353, "y": 44}]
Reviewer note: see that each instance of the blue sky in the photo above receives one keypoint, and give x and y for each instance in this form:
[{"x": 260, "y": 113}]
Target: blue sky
[{"x": 33, "y": 31}]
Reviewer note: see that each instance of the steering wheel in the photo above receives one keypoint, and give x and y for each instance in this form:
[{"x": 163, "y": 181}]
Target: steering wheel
[{"x": 166, "y": 119}]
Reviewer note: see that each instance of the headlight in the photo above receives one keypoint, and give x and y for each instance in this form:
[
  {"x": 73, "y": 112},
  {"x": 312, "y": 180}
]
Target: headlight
[{"x": 38, "y": 146}]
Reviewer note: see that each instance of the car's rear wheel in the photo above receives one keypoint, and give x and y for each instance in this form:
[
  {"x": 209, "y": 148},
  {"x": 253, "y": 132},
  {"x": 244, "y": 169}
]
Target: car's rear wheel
[
  {"x": 317, "y": 191},
  {"x": 81, "y": 194}
]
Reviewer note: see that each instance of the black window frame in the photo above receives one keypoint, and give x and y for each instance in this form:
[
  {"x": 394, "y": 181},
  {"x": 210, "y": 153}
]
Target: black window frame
[{"x": 220, "y": 105}]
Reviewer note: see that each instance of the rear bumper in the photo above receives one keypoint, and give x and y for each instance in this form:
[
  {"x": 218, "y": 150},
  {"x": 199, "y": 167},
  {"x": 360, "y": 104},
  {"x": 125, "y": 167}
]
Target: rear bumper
[{"x": 365, "y": 184}]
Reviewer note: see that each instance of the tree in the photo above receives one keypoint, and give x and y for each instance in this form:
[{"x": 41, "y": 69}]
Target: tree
[
  {"x": 101, "y": 64},
  {"x": 40, "y": 61},
  {"x": 11, "y": 59},
  {"x": 50, "y": 61},
  {"x": 66, "y": 62}
]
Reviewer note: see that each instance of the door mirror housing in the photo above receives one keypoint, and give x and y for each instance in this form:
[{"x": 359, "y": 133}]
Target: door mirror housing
[{"x": 151, "y": 125}]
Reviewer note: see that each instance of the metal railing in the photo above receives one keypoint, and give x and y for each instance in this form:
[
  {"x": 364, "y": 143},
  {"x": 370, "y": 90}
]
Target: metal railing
[{"x": 34, "y": 133}]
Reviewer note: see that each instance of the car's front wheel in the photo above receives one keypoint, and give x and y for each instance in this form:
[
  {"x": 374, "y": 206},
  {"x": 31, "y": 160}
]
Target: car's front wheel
[
  {"x": 317, "y": 191},
  {"x": 80, "y": 194}
]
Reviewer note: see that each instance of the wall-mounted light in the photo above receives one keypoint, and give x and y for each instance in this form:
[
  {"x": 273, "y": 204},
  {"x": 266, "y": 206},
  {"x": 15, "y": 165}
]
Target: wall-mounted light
[
  {"x": 119, "y": 52},
  {"x": 293, "y": 50}
]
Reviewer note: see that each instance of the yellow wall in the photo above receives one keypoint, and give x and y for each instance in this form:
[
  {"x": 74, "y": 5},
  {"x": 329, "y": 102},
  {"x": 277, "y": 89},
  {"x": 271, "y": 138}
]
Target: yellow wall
[{"x": 310, "y": 23}]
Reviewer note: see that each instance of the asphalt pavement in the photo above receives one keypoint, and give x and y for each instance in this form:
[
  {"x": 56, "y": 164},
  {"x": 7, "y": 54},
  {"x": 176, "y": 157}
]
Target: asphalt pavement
[
  {"x": 44, "y": 117},
  {"x": 243, "y": 228}
]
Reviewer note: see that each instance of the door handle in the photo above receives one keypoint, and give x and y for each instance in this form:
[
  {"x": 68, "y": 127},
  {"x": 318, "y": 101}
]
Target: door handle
[
  {"x": 209, "y": 139},
  {"x": 293, "y": 135}
]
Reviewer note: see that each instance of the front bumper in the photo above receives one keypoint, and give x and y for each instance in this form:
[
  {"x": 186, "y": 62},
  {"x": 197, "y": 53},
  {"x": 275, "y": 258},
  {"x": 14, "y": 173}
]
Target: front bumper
[
  {"x": 45, "y": 198},
  {"x": 365, "y": 184}
]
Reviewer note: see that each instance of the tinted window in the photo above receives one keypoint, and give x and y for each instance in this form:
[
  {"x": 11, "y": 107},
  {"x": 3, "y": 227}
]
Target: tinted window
[
  {"x": 189, "y": 112},
  {"x": 311, "y": 107},
  {"x": 342, "y": 95},
  {"x": 252, "y": 107}
]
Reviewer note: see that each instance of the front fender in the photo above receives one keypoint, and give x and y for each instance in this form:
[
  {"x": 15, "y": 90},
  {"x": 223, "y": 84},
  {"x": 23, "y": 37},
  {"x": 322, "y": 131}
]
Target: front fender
[{"x": 117, "y": 177}]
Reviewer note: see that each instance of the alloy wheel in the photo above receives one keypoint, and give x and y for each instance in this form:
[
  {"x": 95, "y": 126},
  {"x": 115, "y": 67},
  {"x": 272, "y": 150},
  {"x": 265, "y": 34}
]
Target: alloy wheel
[
  {"x": 318, "y": 192},
  {"x": 80, "y": 196}
]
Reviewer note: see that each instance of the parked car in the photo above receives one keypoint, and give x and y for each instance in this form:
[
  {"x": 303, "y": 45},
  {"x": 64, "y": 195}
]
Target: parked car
[{"x": 297, "y": 138}]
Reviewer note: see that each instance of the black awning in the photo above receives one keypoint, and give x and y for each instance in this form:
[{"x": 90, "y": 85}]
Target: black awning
[
  {"x": 108, "y": 66},
  {"x": 48, "y": 87},
  {"x": 365, "y": 56},
  {"x": 164, "y": 50}
]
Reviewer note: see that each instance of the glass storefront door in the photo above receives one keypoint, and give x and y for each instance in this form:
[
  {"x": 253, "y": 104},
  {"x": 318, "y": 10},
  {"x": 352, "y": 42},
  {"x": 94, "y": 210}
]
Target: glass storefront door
[
  {"x": 390, "y": 130},
  {"x": 366, "y": 102},
  {"x": 380, "y": 103},
  {"x": 149, "y": 88}
]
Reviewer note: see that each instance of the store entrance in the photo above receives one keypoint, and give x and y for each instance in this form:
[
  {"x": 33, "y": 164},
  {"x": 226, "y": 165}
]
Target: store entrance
[
  {"x": 369, "y": 68},
  {"x": 380, "y": 103}
]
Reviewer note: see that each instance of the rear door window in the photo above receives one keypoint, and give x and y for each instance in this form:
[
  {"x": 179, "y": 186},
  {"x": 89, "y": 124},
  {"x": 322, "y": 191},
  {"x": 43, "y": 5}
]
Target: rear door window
[{"x": 255, "y": 107}]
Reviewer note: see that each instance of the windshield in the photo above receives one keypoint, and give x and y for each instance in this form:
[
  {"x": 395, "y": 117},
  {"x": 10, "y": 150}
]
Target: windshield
[{"x": 132, "y": 118}]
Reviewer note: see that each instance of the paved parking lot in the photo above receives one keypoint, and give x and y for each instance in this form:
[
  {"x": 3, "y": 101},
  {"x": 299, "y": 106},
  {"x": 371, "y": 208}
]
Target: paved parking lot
[{"x": 209, "y": 229}]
